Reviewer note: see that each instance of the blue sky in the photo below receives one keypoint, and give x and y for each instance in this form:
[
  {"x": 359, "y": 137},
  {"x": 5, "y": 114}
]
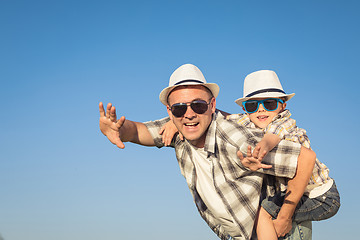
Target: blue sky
[{"x": 59, "y": 176}]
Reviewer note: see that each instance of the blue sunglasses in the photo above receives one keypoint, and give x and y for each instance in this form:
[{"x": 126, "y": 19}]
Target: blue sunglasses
[{"x": 270, "y": 104}]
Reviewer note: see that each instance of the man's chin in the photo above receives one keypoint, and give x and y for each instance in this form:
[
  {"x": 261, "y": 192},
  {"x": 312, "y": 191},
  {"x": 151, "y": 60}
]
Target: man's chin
[{"x": 195, "y": 140}]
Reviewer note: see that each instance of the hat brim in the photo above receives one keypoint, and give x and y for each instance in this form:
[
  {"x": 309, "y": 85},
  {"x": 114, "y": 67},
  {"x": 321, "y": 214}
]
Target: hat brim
[
  {"x": 163, "y": 96},
  {"x": 266, "y": 95}
]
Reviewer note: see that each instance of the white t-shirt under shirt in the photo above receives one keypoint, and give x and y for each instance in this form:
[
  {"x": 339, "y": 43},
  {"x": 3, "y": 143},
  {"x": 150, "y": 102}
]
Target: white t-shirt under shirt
[{"x": 206, "y": 189}]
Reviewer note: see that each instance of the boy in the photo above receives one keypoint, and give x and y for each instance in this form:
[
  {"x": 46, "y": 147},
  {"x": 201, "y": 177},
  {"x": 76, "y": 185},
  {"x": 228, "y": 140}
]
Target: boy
[{"x": 264, "y": 102}]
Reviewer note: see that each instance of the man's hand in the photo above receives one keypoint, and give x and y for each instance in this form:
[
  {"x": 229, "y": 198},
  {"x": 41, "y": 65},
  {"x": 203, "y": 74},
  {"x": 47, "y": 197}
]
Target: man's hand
[
  {"x": 282, "y": 226},
  {"x": 109, "y": 126},
  {"x": 253, "y": 159}
]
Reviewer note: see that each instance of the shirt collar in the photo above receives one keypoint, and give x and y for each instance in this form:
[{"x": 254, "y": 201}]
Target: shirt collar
[
  {"x": 284, "y": 114},
  {"x": 211, "y": 134}
]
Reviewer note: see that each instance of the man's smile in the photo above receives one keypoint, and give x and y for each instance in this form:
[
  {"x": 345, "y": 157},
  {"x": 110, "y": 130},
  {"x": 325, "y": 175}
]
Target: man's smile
[{"x": 191, "y": 124}]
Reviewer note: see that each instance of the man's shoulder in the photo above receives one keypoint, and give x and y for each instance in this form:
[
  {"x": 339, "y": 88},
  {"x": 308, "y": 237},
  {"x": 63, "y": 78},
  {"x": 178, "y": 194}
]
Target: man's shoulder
[
  {"x": 235, "y": 117},
  {"x": 228, "y": 128},
  {"x": 156, "y": 123},
  {"x": 230, "y": 123},
  {"x": 154, "y": 127},
  {"x": 225, "y": 122}
]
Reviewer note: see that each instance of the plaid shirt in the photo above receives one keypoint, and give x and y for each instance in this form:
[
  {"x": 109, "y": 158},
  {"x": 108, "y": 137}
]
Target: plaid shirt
[
  {"x": 285, "y": 127},
  {"x": 238, "y": 187}
]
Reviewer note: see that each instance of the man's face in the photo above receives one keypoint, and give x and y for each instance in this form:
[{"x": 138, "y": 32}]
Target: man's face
[
  {"x": 262, "y": 118},
  {"x": 191, "y": 125}
]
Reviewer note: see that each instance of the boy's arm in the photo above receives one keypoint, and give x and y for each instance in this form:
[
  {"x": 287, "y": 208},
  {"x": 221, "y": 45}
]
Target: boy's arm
[
  {"x": 267, "y": 143},
  {"x": 120, "y": 131},
  {"x": 295, "y": 190},
  {"x": 168, "y": 132}
]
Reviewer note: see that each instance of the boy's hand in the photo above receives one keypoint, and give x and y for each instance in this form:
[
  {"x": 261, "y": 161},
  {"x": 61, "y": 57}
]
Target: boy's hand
[
  {"x": 109, "y": 126},
  {"x": 282, "y": 226},
  {"x": 252, "y": 162},
  {"x": 168, "y": 131}
]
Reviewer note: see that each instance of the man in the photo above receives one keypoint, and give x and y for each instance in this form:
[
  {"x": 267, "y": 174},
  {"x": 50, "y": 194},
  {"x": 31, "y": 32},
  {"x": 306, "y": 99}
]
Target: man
[{"x": 225, "y": 192}]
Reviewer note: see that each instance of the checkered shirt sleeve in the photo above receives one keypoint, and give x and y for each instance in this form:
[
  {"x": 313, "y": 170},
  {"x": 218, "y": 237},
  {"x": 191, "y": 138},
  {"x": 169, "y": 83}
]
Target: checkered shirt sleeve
[{"x": 154, "y": 127}]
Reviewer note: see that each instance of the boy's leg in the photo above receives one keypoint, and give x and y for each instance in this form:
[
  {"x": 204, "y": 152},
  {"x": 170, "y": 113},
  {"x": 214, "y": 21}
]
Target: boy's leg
[
  {"x": 299, "y": 231},
  {"x": 264, "y": 226},
  {"x": 319, "y": 208}
]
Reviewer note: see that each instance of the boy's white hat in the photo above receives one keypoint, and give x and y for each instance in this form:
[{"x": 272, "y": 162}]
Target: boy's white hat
[
  {"x": 187, "y": 74},
  {"x": 263, "y": 84}
]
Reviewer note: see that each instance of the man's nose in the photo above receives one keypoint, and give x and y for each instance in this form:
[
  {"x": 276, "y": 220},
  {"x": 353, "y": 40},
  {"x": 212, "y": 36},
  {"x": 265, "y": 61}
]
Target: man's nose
[{"x": 189, "y": 112}]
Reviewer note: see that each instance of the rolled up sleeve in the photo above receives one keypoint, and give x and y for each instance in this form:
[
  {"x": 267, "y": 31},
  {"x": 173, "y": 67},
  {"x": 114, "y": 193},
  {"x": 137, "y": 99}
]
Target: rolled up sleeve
[{"x": 154, "y": 128}]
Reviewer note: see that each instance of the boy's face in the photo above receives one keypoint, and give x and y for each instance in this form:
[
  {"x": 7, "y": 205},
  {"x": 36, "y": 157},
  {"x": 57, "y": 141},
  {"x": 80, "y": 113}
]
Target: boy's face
[{"x": 261, "y": 118}]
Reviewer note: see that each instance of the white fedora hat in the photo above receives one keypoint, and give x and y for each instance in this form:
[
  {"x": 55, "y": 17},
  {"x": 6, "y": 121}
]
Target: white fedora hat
[
  {"x": 187, "y": 74},
  {"x": 263, "y": 84}
]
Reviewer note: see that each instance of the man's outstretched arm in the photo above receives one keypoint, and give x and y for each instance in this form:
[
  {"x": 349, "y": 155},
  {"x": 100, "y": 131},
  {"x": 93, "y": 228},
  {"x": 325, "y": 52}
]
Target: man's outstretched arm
[{"x": 122, "y": 130}]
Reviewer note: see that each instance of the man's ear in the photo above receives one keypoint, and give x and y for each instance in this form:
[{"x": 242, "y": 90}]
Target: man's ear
[
  {"x": 169, "y": 112},
  {"x": 283, "y": 106},
  {"x": 213, "y": 105}
]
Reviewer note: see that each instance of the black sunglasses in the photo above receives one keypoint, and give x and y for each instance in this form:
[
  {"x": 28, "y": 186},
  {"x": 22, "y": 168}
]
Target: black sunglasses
[
  {"x": 270, "y": 104},
  {"x": 198, "y": 106}
]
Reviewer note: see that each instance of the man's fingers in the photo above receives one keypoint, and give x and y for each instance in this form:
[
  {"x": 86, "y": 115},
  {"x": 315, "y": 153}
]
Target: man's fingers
[
  {"x": 120, "y": 122},
  {"x": 120, "y": 144},
  {"x": 108, "y": 108},
  {"x": 113, "y": 114},
  {"x": 101, "y": 109}
]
